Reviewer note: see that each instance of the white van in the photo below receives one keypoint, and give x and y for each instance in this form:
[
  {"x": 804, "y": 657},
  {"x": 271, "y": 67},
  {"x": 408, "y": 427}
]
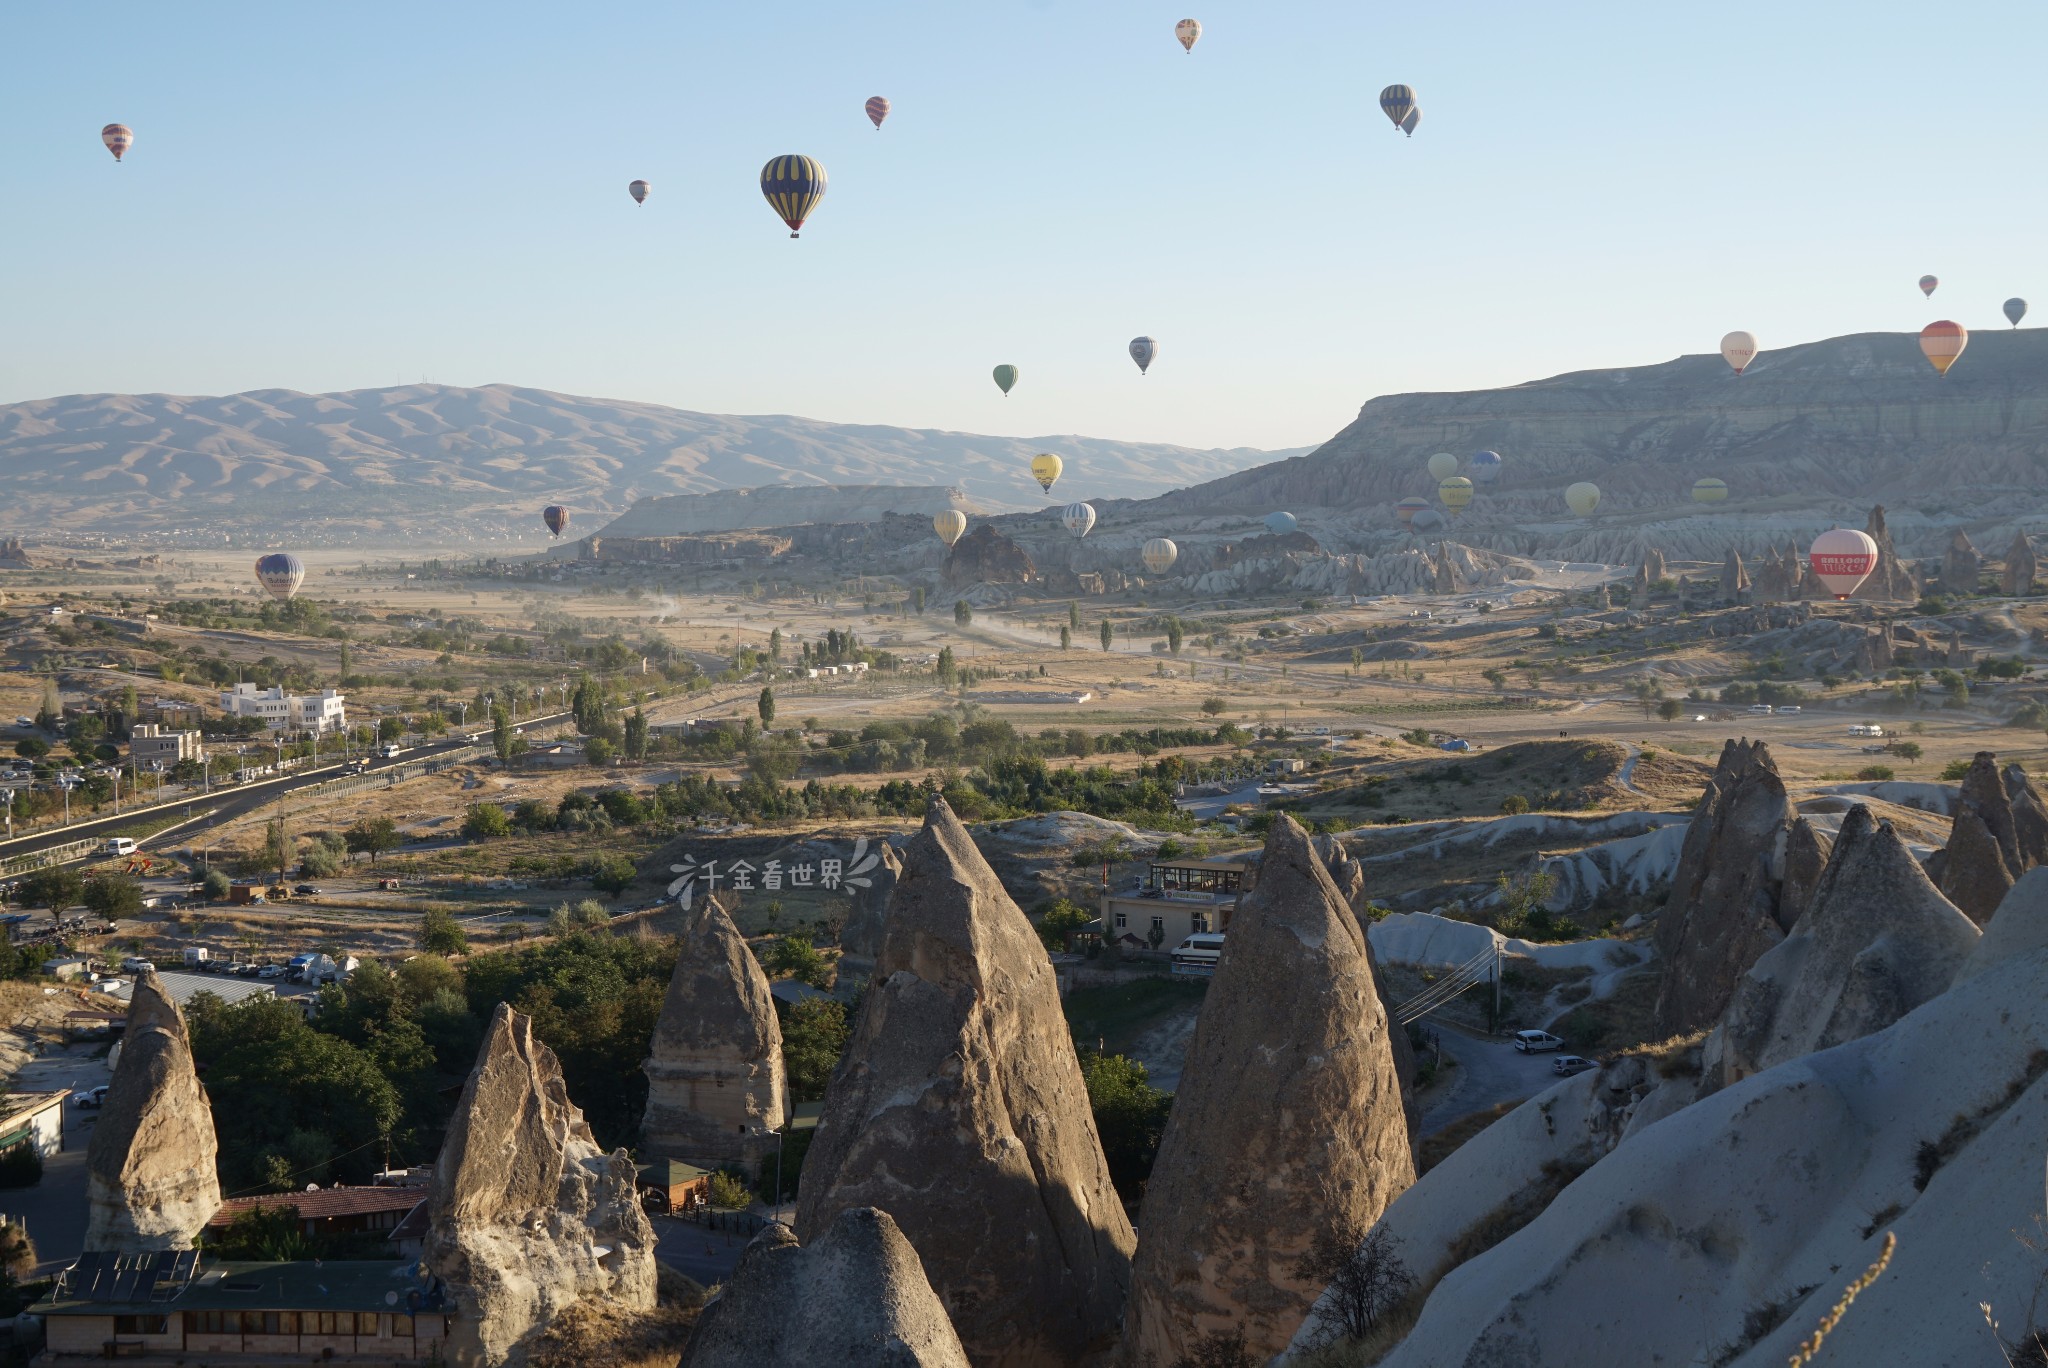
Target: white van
[
  {"x": 119, "y": 846},
  {"x": 1761, "y": 709},
  {"x": 392, "y": 751}
]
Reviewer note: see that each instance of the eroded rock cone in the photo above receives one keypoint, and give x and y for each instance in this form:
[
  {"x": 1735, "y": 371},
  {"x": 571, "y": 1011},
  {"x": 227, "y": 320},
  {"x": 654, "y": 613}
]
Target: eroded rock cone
[
  {"x": 150, "y": 1182},
  {"x": 959, "y": 1109},
  {"x": 1891, "y": 579},
  {"x": 715, "y": 1084},
  {"x": 1999, "y": 832},
  {"x": 1960, "y": 565},
  {"x": 853, "y": 1298},
  {"x": 2021, "y": 567},
  {"x": 1734, "y": 579},
  {"x": 1877, "y": 941},
  {"x": 1288, "y": 1118},
  {"x": 860, "y": 940},
  {"x": 1725, "y": 907},
  {"x": 527, "y": 1216},
  {"x": 1349, "y": 877}
]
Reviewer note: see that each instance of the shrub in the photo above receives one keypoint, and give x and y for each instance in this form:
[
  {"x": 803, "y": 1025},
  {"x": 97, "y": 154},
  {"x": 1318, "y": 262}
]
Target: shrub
[
  {"x": 1955, "y": 770},
  {"x": 729, "y": 1191},
  {"x": 1875, "y": 772},
  {"x": 440, "y": 934},
  {"x": 1514, "y": 804},
  {"x": 484, "y": 821},
  {"x": 319, "y": 863},
  {"x": 1214, "y": 706},
  {"x": 1060, "y": 918},
  {"x": 794, "y": 956},
  {"x": 21, "y": 1166}
]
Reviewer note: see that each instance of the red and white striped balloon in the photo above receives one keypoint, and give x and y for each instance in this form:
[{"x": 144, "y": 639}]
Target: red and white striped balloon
[
  {"x": 118, "y": 138},
  {"x": 878, "y": 110}
]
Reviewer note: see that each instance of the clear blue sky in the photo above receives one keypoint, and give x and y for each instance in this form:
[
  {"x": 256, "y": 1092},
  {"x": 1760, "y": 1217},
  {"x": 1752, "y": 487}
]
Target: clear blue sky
[{"x": 336, "y": 196}]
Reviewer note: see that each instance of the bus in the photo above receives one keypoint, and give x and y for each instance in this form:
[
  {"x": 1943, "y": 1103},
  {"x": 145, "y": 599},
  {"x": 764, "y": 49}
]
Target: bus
[{"x": 1197, "y": 955}]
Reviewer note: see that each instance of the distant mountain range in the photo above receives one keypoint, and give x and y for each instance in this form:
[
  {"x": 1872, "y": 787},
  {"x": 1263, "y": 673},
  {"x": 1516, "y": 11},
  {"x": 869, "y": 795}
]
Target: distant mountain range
[{"x": 385, "y": 466}]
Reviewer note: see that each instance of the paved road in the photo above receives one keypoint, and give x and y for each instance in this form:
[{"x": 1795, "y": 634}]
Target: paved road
[
  {"x": 54, "y": 1210},
  {"x": 1489, "y": 1072},
  {"x": 702, "y": 1255}
]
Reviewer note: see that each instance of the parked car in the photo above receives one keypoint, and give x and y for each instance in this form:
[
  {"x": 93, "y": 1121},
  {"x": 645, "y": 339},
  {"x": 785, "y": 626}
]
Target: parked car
[
  {"x": 307, "y": 891},
  {"x": 1535, "y": 1042},
  {"x": 119, "y": 846},
  {"x": 249, "y": 971},
  {"x": 270, "y": 971},
  {"x": 134, "y": 964},
  {"x": 91, "y": 1097},
  {"x": 1569, "y": 1065},
  {"x": 1790, "y": 709}
]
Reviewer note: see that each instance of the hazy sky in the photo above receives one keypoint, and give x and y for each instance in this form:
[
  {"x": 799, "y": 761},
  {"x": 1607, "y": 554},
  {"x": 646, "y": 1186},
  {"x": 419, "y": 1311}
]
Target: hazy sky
[{"x": 337, "y": 196}]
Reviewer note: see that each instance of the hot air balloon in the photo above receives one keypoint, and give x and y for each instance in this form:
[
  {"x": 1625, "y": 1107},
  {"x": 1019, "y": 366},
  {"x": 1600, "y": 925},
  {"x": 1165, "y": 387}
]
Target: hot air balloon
[
  {"x": 1582, "y": 498},
  {"x": 280, "y": 575},
  {"x": 1397, "y": 100},
  {"x": 556, "y": 517},
  {"x": 1484, "y": 466},
  {"x": 2015, "y": 310},
  {"x": 1078, "y": 519},
  {"x": 1927, "y": 284},
  {"x": 1046, "y": 468},
  {"x": 878, "y": 110},
  {"x": 793, "y": 186},
  {"x": 1409, "y": 507},
  {"x": 951, "y": 525},
  {"x": 1442, "y": 466},
  {"x": 1738, "y": 349},
  {"x": 1942, "y": 342},
  {"x": 638, "y": 190},
  {"x": 1414, "y": 117},
  {"x": 1843, "y": 559},
  {"x": 1159, "y": 555},
  {"x": 1456, "y": 493},
  {"x": 1710, "y": 490},
  {"x": 118, "y": 138},
  {"x": 1143, "y": 350},
  {"x": 1189, "y": 31},
  {"x": 1280, "y": 524},
  {"x": 1427, "y": 520},
  {"x": 1006, "y": 376}
]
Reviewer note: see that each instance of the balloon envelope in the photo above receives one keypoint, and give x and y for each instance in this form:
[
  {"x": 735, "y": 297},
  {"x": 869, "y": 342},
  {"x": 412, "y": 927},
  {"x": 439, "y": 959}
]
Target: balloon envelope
[
  {"x": 1843, "y": 559},
  {"x": 793, "y": 186},
  {"x": 1397, "y": 101},
  {"x": 118, "y": 138},
  {"x": 951, "y": 525},
  {"x": 1046, "y": 468},
  {"x": 1427, "y": 520},
  {"x": 1582, "y": 498},
  {"x": 638, "y": 190},
  {"x": 556, "y": 517},
  {"x": 878, "y": 109},
  {"x": 1414, "y": 118},
  {"x": 1927, "y": 284},
  {"x": 1078, "y": 519},
  {"x": 1006, "y": 377},
  {"x": 1143, "y": 350},
  {"x": 280, "y": 575},
  {"x": 1159, "y": 554},
  {"x": 1280, "y": 524},
  {"x": 1739, "y": 349},
  {"x": 1409, "y": 507},
  {"x": 1189, "y": 31},
  {"x": 1442, "y": 466},
  {"x": 2015, "y": 310},
  {"x": 1484, "y": 465},
  {"x": 1942, "y": 342},
  {"x": 1709, "y": 490},
  {"x": 1456, "y": 492}
]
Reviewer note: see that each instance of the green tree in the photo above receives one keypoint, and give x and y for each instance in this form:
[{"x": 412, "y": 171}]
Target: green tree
[
  {"x": 56, "y": 887},
  {"x": 917, "y": 597},
  {"x": 441, "y": 934},
  {"x": 32, "y": 748},
  {"x": 1130, "y": 1116},
  {"x": 775, "y": 644},
  {"x": 1074, "y": 614},
  {"x": 486, "y": 821},
  {"x": 1175, "y": 635},
  {"x": 1214, "y": 707},
  {"x": 266, "y": 1234},
  {"x": 610, "y": 874},
  {"x": 375, "y": 837},
  {"x": 389, "y": 729},
  {"x": 1669, "y": 709},
  {"x": 1107, "y": 633},
  {"x": 963, "y": 614},
  {"x": 794, "y": 956},
  {"x": 730, "y": 1192},
  {"x": 1066, "y": 637},
  {"x": 1060, "y": 918},
  {"x": 1493, "y": 675},
  {"x": 112, "y": 896},
  {"x": 217, "y": 884},
  {"x": 814, "y": 1035},
  {"x": 587, "y": 703},
  {"x": 636, "y": 735},
  {"x": 764, "y": 706},
  {"x": 501, "y": 734}
]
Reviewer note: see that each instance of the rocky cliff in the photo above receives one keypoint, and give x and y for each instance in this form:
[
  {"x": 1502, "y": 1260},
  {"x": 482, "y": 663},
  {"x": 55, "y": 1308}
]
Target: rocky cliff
[
  {"x": 986, "y": 556},
  {"x": 1288, "y": 1121},
  {"x": 1999, "y": 832},
  {"x": 715, "y": 1084},
  {"x": 527, "y": 1215},
  {"x": 860, "y": 939},
  {"x": 735, "y": 510},
  {"x": 855, "y": 1297},
  {"x": 150, "y": 1181}
]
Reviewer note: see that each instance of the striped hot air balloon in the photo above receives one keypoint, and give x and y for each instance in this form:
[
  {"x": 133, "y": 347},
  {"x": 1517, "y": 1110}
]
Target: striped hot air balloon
[
  {"x": 793, "y": 185},
  {"x": 1159, "y": 555},
  {"x": 1710, "y": 490},
  {"x": 638, "y": 190},
  {"x": 1397, "y": 101},
  {"x": 280, "y": 575},
  {"x": 1942, "y": 342},
  {"x": 1409, "y": 507},
  {"x": 1456, "y": 493},
  {"x": 1484, "y": 465},
  {"x": 878, "y": 110},
  {"x": 118, "y": 138},
  {"x": 1927, "y": 285},
  {"x": 951, "y": 525},
  {"x": 1078, "y": 518}
]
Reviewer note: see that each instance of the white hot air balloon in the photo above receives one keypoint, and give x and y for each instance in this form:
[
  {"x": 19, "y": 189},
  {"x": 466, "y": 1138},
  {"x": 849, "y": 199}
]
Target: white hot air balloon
[
  {"x": 1078, "y": 519},
  {"x": 1582, "y": 498},
  {"x": 1160, "y": 554},
  {"x": 1842, "y": 559},
  {"x": 1738, "y": 349},
  {"x": 1189, "y": 31},
  {"x": 1442, "y": 466},
  {"x": 951, "y": 525}
]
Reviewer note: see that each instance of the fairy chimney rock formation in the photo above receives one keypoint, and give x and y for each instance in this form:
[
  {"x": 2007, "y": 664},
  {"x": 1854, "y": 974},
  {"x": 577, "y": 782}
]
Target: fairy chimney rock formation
[
  {"x": 1877, "y": 941},
  {"x": 1734, "y": 579},
  {"x": 1349, "y": 877},
  {"x": 1891, "y": 579},
  {"x": 860, "y": 940},
  {"x": 1288, "y": 1120},
  {"x": 150, "y": 1182},
  {"x": 2020, "y": 566},
  {"x": 856, "y": 1297},
  {"x": 1444, "y": 576},
  {"x": 1960, "y": 565},
  {"x": 527, "y": 1216},
  {"x": 1726, "y": 906},
  {"x": 715, "y": 1084},
  {"x": 959, "y": 1109},
  {"x": 1999, "y": 832}
]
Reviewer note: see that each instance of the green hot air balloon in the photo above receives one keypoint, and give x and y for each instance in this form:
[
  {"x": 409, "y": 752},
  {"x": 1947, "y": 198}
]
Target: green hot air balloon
[{"x": 1006, "y": 376}]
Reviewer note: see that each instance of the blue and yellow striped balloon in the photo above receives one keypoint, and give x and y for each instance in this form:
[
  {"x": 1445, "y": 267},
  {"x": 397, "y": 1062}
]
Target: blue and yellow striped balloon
[
  {"x": 793, "y": 186},
  {"x": 1397, "y": 101}
]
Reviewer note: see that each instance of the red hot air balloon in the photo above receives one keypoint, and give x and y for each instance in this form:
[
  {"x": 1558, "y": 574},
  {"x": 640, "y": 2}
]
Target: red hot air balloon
[
  {"x": 1843, "y": 559},
  {"x": 878, "y": 110},
  {"x": 1942, "y": 342},
  {"x": 118, "y": 138},
  {"x": 556, "y": 517}
]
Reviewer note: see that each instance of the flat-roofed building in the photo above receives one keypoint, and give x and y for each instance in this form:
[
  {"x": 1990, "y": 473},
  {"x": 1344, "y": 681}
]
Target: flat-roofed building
[
  {"x": 1175, "y": 900},
  {"x": 150, "y": 744}
]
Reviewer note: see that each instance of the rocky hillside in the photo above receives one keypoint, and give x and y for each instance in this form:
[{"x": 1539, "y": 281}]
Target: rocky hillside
[{"x": 372, "y": 466}]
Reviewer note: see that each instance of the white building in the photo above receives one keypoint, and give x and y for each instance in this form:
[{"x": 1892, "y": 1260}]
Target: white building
[
  {"x": 321, "y": 712},
  {"x": 150, "y": 743}
]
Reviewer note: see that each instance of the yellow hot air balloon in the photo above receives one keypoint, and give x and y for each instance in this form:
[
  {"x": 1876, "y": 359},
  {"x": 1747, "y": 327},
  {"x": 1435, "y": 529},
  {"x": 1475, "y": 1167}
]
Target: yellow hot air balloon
[
  {"x": 1442, "y": 466},
  {"x": 1455, "y": 492},
  {"x": 1046, "y": 468},
  {"x": 951, "y": 525},
  {"x": 1943, "y": 342},
  {"x": 1710, "y": 490},
  {"x": 1582, "y": 498}
]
